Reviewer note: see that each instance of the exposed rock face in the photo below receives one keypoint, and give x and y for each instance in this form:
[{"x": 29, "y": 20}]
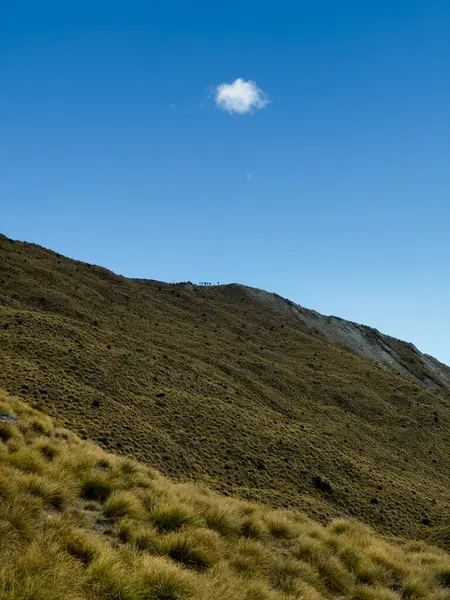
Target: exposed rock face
[
  {"x": 323, "y": 484},
  {"x": 366, "y": 341},
  {"x": 7, "y": 418}
]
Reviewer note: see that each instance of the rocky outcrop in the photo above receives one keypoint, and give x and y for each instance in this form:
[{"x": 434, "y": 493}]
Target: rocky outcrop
[
  {"x": 7, "y": 418},
  {"x": 403, "y": 357}
]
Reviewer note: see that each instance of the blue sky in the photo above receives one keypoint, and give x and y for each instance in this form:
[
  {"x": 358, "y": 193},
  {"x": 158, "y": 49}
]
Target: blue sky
[{"x": 334, "y": 192}]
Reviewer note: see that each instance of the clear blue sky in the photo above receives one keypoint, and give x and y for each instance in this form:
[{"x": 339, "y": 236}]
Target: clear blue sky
[{"x": 335, "y": 194}]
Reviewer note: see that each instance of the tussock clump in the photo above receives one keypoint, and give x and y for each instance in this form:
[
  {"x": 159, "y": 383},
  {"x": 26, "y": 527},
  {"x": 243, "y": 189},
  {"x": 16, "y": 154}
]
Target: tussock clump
[
  {"x": 169, "y": 517},
  {"x": 365, "y": 592},
  {"x": 47, "y": 449},
  {"x": 53, "y": 492},
  {"x": 41, "y": 571},
  {"x": 27, "y": 460},
  {"x": 222, "y": 520},
  {"x": 129, "y": 466},
  {"x": 279, "y": 525},
  {"x": 108, "y": 576},
  {"x": 7, "y": 431},
  {"x": 18, "y": 521},
  {"x": 96, "y": 487},
  {"x": 164, "y": 581},
  {"x": 40, "y": 425},
  {"x": 250, "y": 558},
  {"x": 82, "y": 545},
  {"x": 140, "y": 535},
  {"x": 254, "y": 527},
  {"x": 185, "y": 549},
  {"x": 123, "y": 504}
]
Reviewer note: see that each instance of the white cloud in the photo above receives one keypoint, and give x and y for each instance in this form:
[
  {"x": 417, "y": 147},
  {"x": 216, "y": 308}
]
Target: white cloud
[
  {"x": 248, "y": 176},
  {"x": 240, "y": 97}
]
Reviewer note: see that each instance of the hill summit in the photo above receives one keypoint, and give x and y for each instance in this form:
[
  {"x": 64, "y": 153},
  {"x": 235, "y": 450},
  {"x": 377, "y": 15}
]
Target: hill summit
[{"x": 233, "y": 387}]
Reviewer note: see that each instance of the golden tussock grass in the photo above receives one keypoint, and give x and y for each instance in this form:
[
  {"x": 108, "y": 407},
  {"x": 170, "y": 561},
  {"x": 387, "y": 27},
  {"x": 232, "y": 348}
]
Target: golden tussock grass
[{"x": 77, "y": 523}]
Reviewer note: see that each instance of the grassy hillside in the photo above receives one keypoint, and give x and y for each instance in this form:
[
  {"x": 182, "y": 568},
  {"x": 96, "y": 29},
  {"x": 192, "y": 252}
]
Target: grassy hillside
[
  {"x": 77, "y": 523},
  {"x": 210, "y": 385}
]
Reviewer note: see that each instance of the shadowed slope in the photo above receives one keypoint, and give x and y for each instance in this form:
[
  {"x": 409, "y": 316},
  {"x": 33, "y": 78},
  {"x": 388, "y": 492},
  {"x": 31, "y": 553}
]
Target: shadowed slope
[{"x": 210, "y": 383}]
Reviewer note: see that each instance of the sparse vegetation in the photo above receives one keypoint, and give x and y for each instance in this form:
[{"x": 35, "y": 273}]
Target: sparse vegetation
[{"x": 187, "y": 542}]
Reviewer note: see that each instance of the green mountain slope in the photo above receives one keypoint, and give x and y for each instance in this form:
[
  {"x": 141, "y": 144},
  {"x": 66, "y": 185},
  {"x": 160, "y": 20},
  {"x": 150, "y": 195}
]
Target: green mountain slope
[{"x": 211, "y": 384}]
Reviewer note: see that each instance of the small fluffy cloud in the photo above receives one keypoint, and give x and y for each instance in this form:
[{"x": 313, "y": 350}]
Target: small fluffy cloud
[{"x": 240, "y": 97}]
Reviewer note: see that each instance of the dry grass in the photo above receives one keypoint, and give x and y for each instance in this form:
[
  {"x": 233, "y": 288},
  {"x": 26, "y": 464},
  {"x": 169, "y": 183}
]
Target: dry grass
[
  {"x": 147, "y": 538},
  {"x": 207, "y": 384}
]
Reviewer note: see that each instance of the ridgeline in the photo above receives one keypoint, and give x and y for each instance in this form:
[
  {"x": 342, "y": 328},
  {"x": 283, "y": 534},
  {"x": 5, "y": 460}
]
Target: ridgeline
[{"x": 220, "y": 386}]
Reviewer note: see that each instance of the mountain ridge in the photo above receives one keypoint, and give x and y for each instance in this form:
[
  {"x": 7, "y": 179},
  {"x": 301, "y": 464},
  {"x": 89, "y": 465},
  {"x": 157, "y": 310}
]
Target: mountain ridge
[
  {"x": 211, "y": 384},
  {"x": 327, "y": 324},
  {"x": 366, "y": 341}
]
